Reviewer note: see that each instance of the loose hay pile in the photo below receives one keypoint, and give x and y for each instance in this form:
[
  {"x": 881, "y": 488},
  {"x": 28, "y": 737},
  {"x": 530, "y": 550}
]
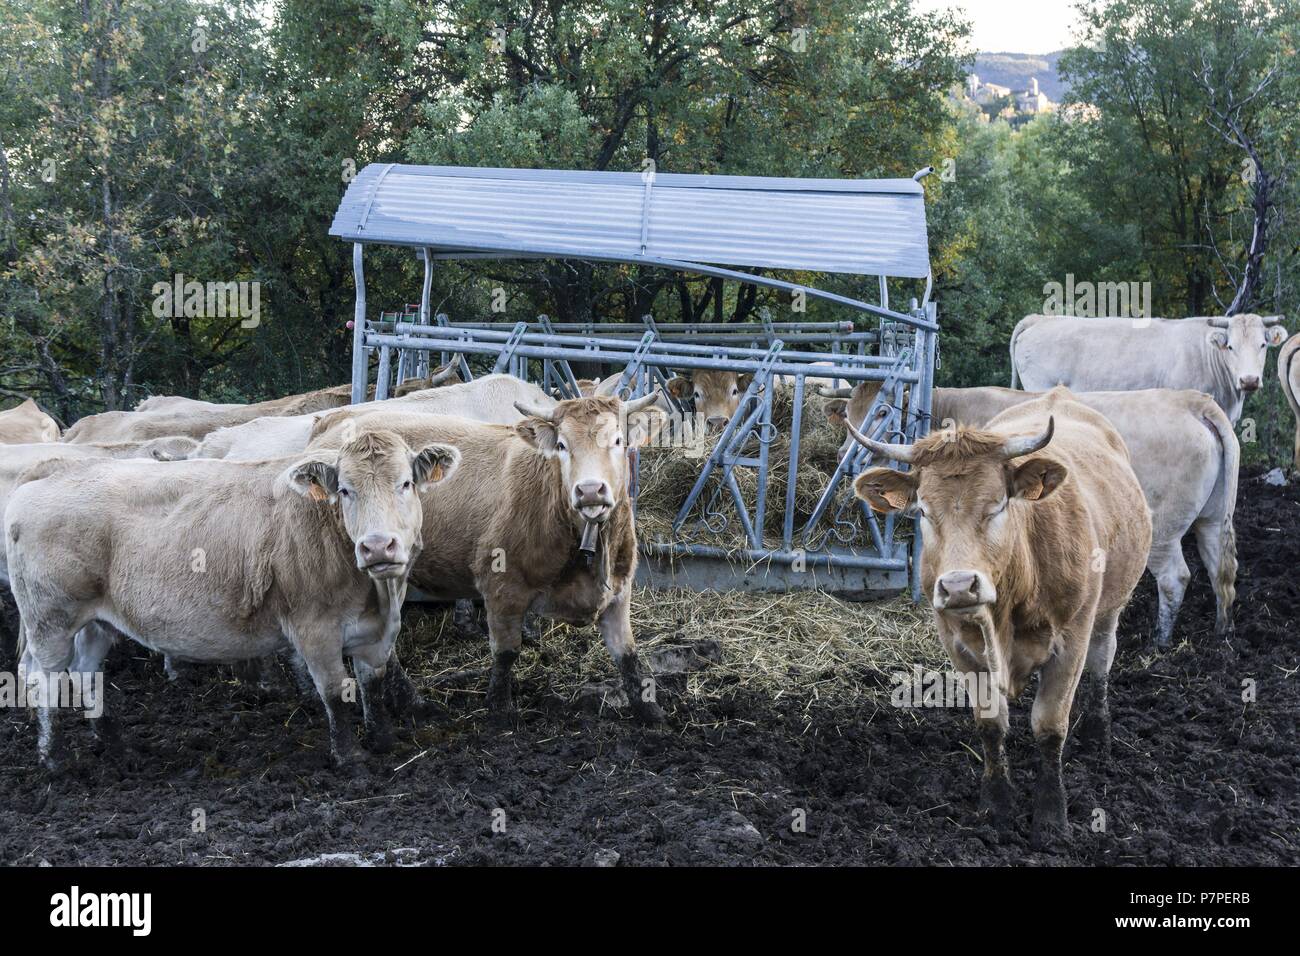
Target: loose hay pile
[
  {"x": 668, "y": 474},
  {"x": 698, "y": 644}
]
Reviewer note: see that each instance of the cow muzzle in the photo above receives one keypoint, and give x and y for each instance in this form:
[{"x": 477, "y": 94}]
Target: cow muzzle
[
  {"x": 963, "y": 592},
  {"x": 381, "y": 556},
  {"x": 1249, "y": 383},
  {"x": 592, "y": 498}
]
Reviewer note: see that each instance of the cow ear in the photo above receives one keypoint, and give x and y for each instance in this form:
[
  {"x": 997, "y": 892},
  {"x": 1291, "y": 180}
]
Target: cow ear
[
  {"x": 434, "y": 464},
  {"x": 885, "y": 489},
  {"x": 679, "y": 386},
  {"x": 1037, "y": 478},
  {"x": 836, "y": 410},
  {"x": 743, "y": 380},
  {"x": 1218, "y": 338},
  {"x": 1275, "y": 335},
  {"x": 315, "y": 479},
  {"x": 539, "y": 433}
]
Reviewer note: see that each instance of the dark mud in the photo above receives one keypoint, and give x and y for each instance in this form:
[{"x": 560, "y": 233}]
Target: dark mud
[{"x": 1198, "y": 775}]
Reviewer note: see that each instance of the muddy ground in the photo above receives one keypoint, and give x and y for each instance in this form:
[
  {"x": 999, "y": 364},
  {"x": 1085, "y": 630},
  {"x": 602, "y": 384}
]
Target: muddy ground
[{"x": 1198, "y": 776}]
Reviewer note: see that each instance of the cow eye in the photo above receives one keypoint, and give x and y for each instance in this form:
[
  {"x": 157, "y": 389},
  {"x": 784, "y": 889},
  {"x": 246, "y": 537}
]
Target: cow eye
[
  {"x": 618, "y": 440},
  {"x": 406, "y": 485},
  {"x": 345, "y": 493},
  {"x": 698, "y": 396},
  {"x": 561, "y": 446}
]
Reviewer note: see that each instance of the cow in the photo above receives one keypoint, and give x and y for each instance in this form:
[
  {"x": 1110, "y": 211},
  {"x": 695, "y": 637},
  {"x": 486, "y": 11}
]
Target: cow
[
  {"x": 1219, "y": 355},
  {"x": 1036, "y": 533},
  {"x": 1288, "y": 370},
  {"x": 26, "y": 423},
  {"x": 1185, "y": 455},
  {"x": 536, "y": 518},
  {"x": 221, "y": 561},
  {"x": 447, "y": 375},
  {"x": 716, "y": 395},
  {"x": 489, "y": 399},
  {"x": 163, "y": 416}
]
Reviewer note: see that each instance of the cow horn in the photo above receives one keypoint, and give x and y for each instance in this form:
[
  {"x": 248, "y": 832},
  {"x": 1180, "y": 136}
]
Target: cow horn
[
  {"x": 446, "y": 374},
  {"x": 535, "y": 411},
  {"x": 1028, "y": 444},
  {"x": 645, "y": 401},
  {"x": 1220, "y": 321},
  {"x": 902, "y": 453},
  {"x": 1274, "y": 319},
  {"x": 844, "y": 391}
]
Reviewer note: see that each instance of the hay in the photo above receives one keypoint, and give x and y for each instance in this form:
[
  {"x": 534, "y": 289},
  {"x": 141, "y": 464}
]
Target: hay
[
  {"x": 668, "y": 474},
  {"x": 804, "y": 644}
]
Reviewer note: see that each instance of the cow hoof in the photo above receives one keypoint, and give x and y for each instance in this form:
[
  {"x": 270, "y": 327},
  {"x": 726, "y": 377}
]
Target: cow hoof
[
  {"x": 995, "y": 800},
  {"x": 1049, "y": 831},
  {"x": 348, "y": 758},
  {"x": 647, "y": 713},
  {"x": 506, "y": 718}
]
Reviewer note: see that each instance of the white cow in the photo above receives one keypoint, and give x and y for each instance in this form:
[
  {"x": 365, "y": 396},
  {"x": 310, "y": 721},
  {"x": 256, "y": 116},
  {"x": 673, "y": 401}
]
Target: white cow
[
  {"x": 488, "y": 399},
  {"x": 1218, "y": 355},
  {"x": 222, "y": 561}
]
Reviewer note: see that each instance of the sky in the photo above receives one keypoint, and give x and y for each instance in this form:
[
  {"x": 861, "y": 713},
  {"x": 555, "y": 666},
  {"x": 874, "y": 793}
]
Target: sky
[{"x": 1014, "y": 26}]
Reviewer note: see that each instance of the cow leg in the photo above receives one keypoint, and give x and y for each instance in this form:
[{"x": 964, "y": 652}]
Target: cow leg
[
  {"x": 1166, "y": 564},
  {"x": 995, "y": 785},
  {"x": 615, "y": 623},
  {"x": 505, "y": 636},
  {"x": 992, "y": 720},
  {"x": 48, "y": 651},
  {"x": 375, "y": 718},
  {"x": 1095, "y": 727},
  {"x": 1050, "y": 719},
  {"x": 403, "y": 697},
  {"x": 1217, "y": 546},
  {"x": 91, "y": 646},
  {"x": 371, "y": 660},
  {"x": 321, "y": 649}
]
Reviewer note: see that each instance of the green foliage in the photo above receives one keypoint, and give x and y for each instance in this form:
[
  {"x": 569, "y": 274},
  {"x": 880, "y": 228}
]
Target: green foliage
[{"x": 140, "y": 139}]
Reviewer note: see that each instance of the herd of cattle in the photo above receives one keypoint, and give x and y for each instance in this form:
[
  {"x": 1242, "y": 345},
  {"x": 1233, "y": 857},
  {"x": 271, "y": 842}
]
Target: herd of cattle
[{"x": 216, "y": 532}]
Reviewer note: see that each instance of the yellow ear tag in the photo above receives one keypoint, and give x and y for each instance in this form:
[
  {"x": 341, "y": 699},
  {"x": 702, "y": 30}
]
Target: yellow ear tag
[
  {"x": 897, "y": 499},
  {"x": 436, "y": 474},
  {"x": 316, "y": 492}
]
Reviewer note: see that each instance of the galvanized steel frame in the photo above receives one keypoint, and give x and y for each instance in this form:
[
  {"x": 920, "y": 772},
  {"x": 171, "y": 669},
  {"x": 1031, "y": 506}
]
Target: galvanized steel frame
[{"x": 855, "y": 552}]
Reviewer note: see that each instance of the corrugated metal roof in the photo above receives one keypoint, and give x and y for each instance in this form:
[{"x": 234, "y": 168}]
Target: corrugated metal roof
[{"x": 856, "y": 226}]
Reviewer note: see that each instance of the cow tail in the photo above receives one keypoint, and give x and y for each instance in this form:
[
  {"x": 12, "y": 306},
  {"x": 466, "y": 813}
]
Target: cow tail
[
  {"x": 1015, "y": 334},
  {"x": 1226, "y": 586}
]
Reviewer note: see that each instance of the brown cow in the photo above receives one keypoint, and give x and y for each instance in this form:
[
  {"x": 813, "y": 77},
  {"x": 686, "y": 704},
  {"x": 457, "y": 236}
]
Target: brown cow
[
  {"x": 209, "y": 560},
  {"x": 449, "y": 374},
  {"x": 537, "y": 517},
  {"x": 1184, "y": 453},
  {"x": 170, "y": 415},
  {"x": 716, "y": 394},
  {"x": 1036, "y": 533},
  {"x": 26, "y": 423}
]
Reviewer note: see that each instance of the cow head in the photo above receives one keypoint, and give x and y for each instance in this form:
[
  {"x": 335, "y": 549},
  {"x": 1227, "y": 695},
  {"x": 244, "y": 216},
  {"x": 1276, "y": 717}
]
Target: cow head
[
  {"x": 1242, "y": 342},
  {"x": 716, "y": 394},
  {"x": 590, "y": 438},
  {"x": 965, "y": 487},
  {"x": 375, "y": 480},
  {"x": 849, "y": 404}
]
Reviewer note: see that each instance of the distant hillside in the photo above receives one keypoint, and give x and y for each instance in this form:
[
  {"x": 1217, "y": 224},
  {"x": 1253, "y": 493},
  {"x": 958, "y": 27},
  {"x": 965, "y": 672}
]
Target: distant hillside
[{"x": 1016, "y": 69}]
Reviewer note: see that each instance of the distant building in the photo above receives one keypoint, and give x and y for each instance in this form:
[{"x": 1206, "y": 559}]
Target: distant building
[{"x": 1033, "y": 100}]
